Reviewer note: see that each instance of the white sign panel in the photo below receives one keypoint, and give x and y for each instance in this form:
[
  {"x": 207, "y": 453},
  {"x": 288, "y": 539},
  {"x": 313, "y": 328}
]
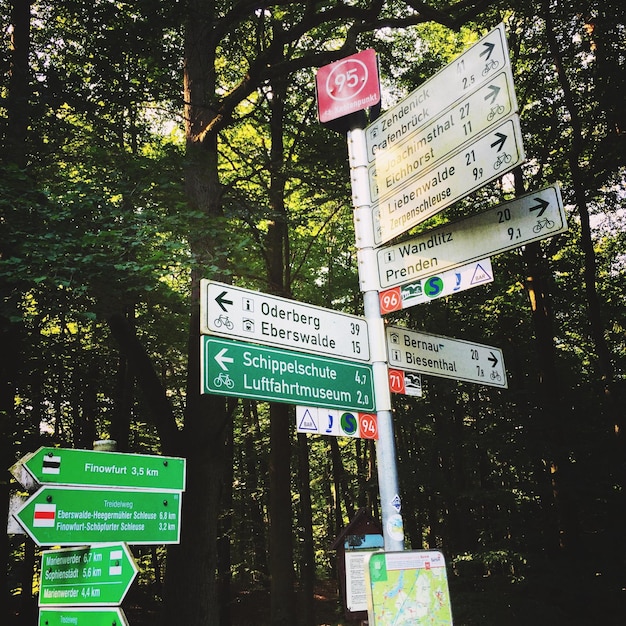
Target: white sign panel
[
  {"x": 248, "y": 315},
  {"x": 336, "y": 422},
  {"x": 529, "y": 218},
  {"x": 394, "y": 166},
  {"x": 436, "y": 286},
  {"x": 469, "y": 71},
  {"x": 445, "y": 357},
  {"x": 490, "y": 156}
]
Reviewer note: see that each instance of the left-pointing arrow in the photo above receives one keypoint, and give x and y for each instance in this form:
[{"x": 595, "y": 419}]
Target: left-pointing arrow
[
  {"x": 221, "y": 358},
  {"x": 221, "y": 300}
]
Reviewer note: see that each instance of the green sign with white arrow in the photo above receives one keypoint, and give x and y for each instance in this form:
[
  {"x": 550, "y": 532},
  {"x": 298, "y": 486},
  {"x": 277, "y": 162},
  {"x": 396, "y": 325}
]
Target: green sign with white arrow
[
  {"x": 90, "y": 575},
  {"x": 73, "y": 516},
  {"x": 244, "y": 370},
  {"x": 83, "y": 617},
  {"x": 66, "y": 466}
]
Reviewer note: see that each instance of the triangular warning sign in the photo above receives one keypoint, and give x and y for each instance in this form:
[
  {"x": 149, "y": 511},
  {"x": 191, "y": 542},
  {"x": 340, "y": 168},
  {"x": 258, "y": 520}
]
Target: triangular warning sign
[
  {"x": 480, "y": 275},
  {"x": 307, "y": 422}
]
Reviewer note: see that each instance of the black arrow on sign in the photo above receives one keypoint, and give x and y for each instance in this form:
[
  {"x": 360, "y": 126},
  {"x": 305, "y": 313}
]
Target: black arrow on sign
[
  {"x": 494, "y": 90},
  {"x": 541, "y": 207},
  {"x": 492, "y": 359},
  {"x": 499, "y": 141},
  {"x": 222, "y": 301},
  {"x": 489, "y": 50}
]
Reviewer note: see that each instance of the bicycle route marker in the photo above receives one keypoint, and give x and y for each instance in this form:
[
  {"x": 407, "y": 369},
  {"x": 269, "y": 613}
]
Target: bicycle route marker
[
  {"x": 90, "y": 575},
  {"x": 410, "y": 350},
  {"x": 245, "y": 370},
  {"x": 249, "y": 315},
  {"x": 493, "y": 154},
  {"x": 68, "y": 466},
  {"x": 436, "y": 286},
  {"x": 529, "y": 218},
  {"x": 69, "y": 516},
  {"x": 113, "y": 616}
]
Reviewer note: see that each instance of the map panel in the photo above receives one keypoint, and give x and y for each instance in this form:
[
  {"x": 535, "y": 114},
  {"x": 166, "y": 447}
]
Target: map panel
[{"x": 408, "y": 589}]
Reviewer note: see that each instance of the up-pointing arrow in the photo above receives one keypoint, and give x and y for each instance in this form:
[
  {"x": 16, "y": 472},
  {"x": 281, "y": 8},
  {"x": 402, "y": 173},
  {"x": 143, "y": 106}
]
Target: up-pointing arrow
[{"x": 221, "y": 359}]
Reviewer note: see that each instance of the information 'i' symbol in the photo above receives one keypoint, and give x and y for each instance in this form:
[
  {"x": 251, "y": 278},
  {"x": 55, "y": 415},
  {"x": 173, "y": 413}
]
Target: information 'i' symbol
[{"x": 433, "y": 286}]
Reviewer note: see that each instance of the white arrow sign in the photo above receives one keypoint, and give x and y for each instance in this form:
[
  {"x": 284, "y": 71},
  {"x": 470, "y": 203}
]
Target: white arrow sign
[
  {"x": 493, "y": 154},
  {"x": 445, "y": 357},
  {"x": 395, "y": 165},
  {"x": 529, "y": 218},
  {"x": 248, "y": 315},
  {"x": 470, "y": 70}
]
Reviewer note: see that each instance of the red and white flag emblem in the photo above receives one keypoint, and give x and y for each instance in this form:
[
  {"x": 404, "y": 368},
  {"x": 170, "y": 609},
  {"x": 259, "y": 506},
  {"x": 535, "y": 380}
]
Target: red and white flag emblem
[{"x": 44, "y": 515}]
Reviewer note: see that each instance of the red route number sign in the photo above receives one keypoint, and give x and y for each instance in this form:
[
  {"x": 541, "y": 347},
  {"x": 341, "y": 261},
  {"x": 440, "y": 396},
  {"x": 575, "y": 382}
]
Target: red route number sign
[
  {"x": 346, "y": 86},
  {"x": 368, "y": 426},
  {"x": 390, "y": 300}
]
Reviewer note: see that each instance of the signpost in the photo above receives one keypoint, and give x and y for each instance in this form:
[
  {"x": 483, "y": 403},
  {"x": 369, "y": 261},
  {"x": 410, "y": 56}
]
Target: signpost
[
  {"x": 90, "y": 575},
  {"x": 436, "y": 286},
  {"x": 113, "y": 616},
  {"x": 78, "y": 515},
  {"x": 471, "y": 167},
  {"x": 67, "y": 466},
  {"x": 347, "y": 86},
  {"x": 337, "y": 423},
  {"x": 244, "y": 370},
  {"x": 248, "y": 315},
  {"x": 529, "y": 218},
  {"x": 445, "y": 357}
]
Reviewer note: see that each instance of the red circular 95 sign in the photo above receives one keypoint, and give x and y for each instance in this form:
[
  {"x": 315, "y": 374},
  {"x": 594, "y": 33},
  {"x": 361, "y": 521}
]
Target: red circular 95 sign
[{"x": 346, "y": 86}]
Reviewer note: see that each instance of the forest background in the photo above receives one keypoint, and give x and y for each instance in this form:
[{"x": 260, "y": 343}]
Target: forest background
[{"x": 148, "y": 144}]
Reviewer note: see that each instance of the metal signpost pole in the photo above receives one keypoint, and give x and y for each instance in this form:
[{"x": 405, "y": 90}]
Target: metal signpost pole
[{"x": 393, "y": 532}]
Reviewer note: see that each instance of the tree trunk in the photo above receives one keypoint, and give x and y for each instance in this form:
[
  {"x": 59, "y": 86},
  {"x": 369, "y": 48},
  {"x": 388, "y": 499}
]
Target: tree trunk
[{"x": 192, "y": 596}]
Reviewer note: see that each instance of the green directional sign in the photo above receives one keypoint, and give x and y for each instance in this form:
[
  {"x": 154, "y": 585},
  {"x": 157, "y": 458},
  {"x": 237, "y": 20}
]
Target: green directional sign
[
  {"x": 66, "y": 466},
  {"x": 74, "y": 516},
  {"x": 83, "y": 617},
  {"x": 244, "y": 370},
  {"x": 90, "y": 575}
]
